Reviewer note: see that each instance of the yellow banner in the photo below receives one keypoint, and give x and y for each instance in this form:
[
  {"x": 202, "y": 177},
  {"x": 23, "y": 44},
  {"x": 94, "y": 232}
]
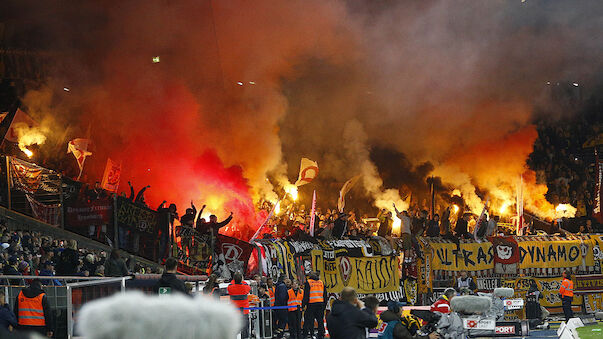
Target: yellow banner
[
  {"x": 555, "y": 254},
  {"x": 377, "y": 274},
  {"x": 593, "y": 302},
  {"x": 472, "y": 256}
]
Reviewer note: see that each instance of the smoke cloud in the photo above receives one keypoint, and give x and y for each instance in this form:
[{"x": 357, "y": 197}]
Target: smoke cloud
[{"x": 244, "y": 89}]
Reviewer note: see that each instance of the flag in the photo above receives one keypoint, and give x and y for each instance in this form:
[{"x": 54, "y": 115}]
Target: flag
[
  {"x": 313, "y": 214},
  {"x": 308, "y": 170},
  {"x": 111, "y": 176},
  {"x": 257, "y": 233},
  {"x": 519, "y": 226},
  {"x": 597, "y": 213},
  {"x": 481, "y": 218},
  {"x": 79, "y": 148},
  {"x": 344, "y": 190},
  {"x": 20, "y": 120}
]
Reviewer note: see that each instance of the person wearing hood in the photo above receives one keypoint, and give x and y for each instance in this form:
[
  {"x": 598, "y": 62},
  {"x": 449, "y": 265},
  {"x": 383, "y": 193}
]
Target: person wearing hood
[
  {"x": 169, "y": 279},
  {"x": 115, "y": 266},
  {"x": 347, "y": 320},
  {"x": 393, "y": 328},
  {"x": 33, "y": 311},
  {"x": 281, "y": 297}
]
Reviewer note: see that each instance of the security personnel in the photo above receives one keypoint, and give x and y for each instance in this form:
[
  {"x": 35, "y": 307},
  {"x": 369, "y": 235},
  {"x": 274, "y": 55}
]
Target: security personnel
[
  {"x": 271, "y": 290},
  {"x": 314, "y": 298},
  {"x": 567, "y": 295},
  {"x": 33, "y": 311},
  {"x": 294, "y": 302},
  {"x": 238, "y": 291}
]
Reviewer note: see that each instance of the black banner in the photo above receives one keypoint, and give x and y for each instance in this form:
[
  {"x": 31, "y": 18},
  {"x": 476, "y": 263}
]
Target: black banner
[{"x": 138, "y": 228}]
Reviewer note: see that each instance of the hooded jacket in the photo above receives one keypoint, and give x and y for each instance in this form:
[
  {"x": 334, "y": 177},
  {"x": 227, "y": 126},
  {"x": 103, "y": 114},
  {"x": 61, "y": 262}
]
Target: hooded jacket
[
  {"x": 31, "y": 292},
  {"x": 347, "y": 321},
  {"x": 170, "y": 280},
  {"x": 400, "y": 331}
]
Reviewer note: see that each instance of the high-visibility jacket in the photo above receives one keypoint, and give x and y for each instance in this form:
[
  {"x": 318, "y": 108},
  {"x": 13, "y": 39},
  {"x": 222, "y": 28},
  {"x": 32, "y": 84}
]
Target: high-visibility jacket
[
  {"x": 238, "y": 294},
  {"x": 317, "y": 289},
  {"x": 31, "y": 310},
  {"x": 271, "y": 291},
  {"x": 567, "y": 288},
  {"x": 295, "y": 299},
  {"x": 254, "y": 300}
]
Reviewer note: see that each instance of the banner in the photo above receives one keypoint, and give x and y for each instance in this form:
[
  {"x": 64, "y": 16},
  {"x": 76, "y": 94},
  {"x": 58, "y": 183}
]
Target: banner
[
  {"x": 111, "y": 176},
  {"x": 366, "y": 275},
  {"x": 344, "y": 190},
  {"x": 555, "y": 254},
  {"x": 138, "y": 228},
  {"x": 473, "y": 256},
  {"x": 236, "y": 253},
  {"x": 506, "y": 250},
  {"x": 81, "y": 214},
  {"x": 49, "y": 214},
  {"x": 597, "y": 213},
  {"x": 593, "y": 302},
  {"x": 31, "y": 178},
  {"x": 136, "y": 218},
  {"x": 308, "y": 170},
  {"x": 588, "y": 283}
]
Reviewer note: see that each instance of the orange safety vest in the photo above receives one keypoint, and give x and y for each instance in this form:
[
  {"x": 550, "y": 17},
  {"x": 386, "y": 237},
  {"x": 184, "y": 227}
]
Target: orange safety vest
[
  {"x": 253, "y": 299},
  {"x": 317, "y": 289},
  {"x": 238, "y": 294},
  {"x": 271, "y": 295},
  {"x": 295, "y": 299},
  {"x": 31, "y": 311},
  {"x": 567, "y": 288}
]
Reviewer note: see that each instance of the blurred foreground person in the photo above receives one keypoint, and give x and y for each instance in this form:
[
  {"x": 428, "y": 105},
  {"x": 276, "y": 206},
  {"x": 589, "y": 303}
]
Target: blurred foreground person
[
  {"x": 135, "y": 315},
  {"x": 347, "y": 320}
]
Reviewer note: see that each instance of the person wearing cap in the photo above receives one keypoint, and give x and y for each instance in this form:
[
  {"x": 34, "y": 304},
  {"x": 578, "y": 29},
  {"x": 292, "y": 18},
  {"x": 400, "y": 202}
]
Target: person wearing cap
[
  {"x": 33, "y": 311},
  {"x": 442, "y": 305},
  {"x": 11, "y": 269},
  {"x": 347, "y": 320},
  {"x": 392, "y": 327}
]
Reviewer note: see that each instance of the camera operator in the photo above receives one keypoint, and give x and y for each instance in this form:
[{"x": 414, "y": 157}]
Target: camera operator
[{"x": 394, "y": 328}]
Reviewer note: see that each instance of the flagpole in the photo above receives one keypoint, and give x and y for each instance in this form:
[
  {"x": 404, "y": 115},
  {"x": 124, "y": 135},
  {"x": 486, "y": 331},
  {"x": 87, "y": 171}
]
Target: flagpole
[{"x": 81, "y": 169}]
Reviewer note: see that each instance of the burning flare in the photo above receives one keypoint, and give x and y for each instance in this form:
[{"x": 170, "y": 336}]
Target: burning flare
[
  {"x": 292, "y": 191},
  {"x": 565, "y": 210},
  {"x": 28, "y": 136}
]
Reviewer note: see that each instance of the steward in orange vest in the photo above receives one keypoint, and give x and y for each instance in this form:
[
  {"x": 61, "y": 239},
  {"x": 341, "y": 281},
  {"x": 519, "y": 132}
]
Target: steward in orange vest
[
  {"x": 567, "y": 295},
  {"x": 271, "y": 290},
  {"x": 238, "y": 291},
  {"x": 296, "y": 295},
  {"x": 33, "y": 311},
  {"x": 315, "y": 297}
]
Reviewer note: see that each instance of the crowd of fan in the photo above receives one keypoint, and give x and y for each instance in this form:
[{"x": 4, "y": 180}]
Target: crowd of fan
[
  {"x": 561, "y": 162},
  {"x": 25, "y": 253}
]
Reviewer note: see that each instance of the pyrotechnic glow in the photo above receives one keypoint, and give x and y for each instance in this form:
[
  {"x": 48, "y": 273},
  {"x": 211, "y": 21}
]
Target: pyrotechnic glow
[
  {"x": 396, "y": 225},
  {"x": 156, "y": 59},
  {"x": 292, "y": 191},
  {"x": 277, "y": 208},
  {"x": 565, "y": 210},
  {"x": 28, "y": 136},
  {"x": 27, "y": 152},
  {"x": 504, "y": 207},
  {"x": 456, "y": 192},
  {"x": 455, "y": 208}
]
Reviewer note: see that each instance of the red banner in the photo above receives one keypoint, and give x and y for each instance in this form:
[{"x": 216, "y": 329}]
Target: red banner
[
  {"x": 236, "y": 252},
  {"x": 506, "y": 250},
  {"x": 111, "y": 176},
  {"x": 83, "y": 214}
]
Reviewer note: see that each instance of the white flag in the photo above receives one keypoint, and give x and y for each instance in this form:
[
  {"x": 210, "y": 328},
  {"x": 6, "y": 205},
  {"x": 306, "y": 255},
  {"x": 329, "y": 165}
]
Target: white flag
[
  {"x": 308, "y": 170},
  {"x": 344, "y": 190}
]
